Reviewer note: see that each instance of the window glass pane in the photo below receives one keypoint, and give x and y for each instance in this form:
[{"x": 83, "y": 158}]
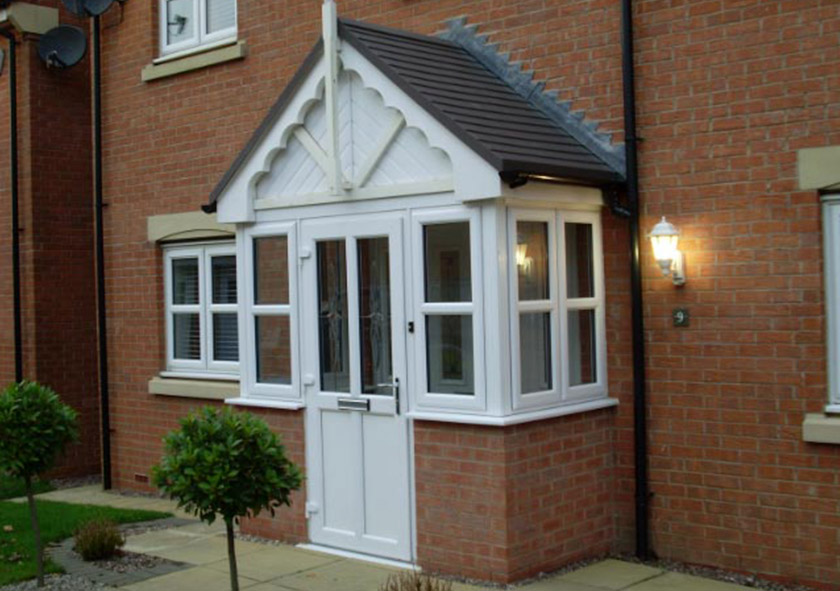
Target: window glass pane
[
  {"x": 447, "y": 249},
  {"x": 180, "y": 25},
  {"x": 221, "y": 14},
  {"x": 274, "y": 353},
  {"x": 225, "y": 337},
  {"x": 449, "y": 354},
  {"x": 271, "y": 270},
  {"x": 186, "y": 336},
  {"x": 185, "y": 281},
  {"x": 579, "y": 268},
  {"x": 224, "y": 279},
  {"x": 582, "y": 369},
  {"x": 375, "y": 315},
  {"x": 535, "y": 352},
  {"x": 333, "y": 330},
  {"x": 532, "y": 260}
]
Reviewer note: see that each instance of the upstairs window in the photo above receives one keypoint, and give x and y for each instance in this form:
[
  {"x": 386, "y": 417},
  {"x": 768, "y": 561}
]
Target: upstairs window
[
  {"x": 191, "y": 24},
  {"x": 202, "y": 326}
]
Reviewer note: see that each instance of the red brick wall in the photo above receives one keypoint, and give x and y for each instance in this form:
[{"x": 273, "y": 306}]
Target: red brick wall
[
  {"x": 503, "y": 504},
  {"x": 728, "y": 91}
]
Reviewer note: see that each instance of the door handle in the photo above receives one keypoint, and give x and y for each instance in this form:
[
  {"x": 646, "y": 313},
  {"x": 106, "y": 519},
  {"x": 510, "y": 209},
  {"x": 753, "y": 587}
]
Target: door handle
[{"x": 395, "y": 391}]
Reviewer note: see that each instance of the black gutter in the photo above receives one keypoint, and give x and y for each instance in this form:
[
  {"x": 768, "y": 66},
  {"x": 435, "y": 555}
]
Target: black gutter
[
  {"x": 104, "y": 403},
  {"x": 13, "y": 179},
  {"x": 639, "y": 403}
]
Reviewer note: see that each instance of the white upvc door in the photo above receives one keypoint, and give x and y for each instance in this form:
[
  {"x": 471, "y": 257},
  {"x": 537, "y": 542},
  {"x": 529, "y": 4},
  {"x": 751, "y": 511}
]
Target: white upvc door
[{"x": 357, "y": 437}]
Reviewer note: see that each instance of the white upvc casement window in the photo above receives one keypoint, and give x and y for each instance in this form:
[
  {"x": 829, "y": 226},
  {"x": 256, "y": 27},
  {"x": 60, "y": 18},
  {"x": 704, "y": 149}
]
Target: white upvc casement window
[
  {"x": 202, "y": 332},
  {"x": 448, "y": 320},
  {"x": 189, "y": 24},
  {"x": 558, "y": 344},
  {"x": 831, "y": 246},
  {"x": 269, "y": 315}
]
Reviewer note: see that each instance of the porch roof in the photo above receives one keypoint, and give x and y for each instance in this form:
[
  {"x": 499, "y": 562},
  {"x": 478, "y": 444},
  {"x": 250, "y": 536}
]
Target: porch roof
[{"x": 497, "y": 121}]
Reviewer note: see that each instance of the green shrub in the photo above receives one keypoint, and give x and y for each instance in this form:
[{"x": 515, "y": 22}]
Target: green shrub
[
  {"x": 414, "y": 581},
  {"x": 98, "y": 539},
  {"x": 226, "y": 464},
  {"x": 34, "y": 428}
]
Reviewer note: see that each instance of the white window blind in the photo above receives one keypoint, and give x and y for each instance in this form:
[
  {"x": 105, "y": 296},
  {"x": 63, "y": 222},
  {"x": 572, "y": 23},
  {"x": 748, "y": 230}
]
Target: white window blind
[{"x": 221, "y": 15}]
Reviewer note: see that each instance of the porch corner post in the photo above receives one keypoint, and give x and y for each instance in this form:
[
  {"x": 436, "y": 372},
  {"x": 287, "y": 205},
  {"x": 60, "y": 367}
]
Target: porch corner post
[{"x": 640, "y": 431}]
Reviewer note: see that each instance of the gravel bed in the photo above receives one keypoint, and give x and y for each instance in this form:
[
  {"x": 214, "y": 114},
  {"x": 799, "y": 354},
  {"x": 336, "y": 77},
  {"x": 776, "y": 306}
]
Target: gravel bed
[
  {"x": 129, "y": 562},
  {"x": 61, "y": 483},
  {"x": 58, "y": 583}
]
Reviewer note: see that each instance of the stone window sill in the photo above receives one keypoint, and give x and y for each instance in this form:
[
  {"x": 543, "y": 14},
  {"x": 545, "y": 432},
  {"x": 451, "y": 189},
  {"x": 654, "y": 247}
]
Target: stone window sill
[
  {"x": 220, "y": 55},
  {"x": 820, "y": 428},
  {"x": 203, "y": 389}
]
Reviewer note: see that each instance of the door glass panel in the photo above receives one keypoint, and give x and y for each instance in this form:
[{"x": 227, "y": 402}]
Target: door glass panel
[
  {"x": 449, "y": 354},
  {"x": 274, "y": 350},
  {"x": 271, "y": 270},
  {"x": 535, "y": 352},
  {"x": 333, "y": 329},
  {"x": 532, "y": 260},
  {"x": 224, "y": 279},
  {"x": 579, "y": 268},
  {"x": 185, "y": 281},
  {"x": 582, "y": 369},
  {"x": 187, "y": 336},
  {"x": 447, "y": 250},
  {"x": 375, "y": 315}
]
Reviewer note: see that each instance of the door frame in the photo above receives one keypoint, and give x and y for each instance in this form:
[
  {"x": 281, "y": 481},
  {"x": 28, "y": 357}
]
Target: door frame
[{"x": 314, "y": 229}]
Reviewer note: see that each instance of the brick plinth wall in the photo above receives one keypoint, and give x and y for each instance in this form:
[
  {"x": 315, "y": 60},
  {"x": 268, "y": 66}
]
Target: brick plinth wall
[{"x": 503, "y": 504}]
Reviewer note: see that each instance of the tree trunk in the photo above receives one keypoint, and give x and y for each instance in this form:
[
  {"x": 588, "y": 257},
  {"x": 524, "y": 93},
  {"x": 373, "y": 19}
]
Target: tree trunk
[
  {"x": 234, "y": 575},
  {"x": 36, "y": 529}
]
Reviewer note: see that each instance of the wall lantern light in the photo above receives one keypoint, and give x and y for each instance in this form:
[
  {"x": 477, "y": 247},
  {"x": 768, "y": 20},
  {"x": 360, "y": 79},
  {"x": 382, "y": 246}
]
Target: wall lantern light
[{"x": 664, "y": 238}]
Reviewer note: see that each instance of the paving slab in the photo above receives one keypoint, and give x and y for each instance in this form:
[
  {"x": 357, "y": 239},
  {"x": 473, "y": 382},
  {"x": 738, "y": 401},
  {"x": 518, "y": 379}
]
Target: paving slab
[
  {"x": 611, "y": 574},
  {"x": 681, "y": 582},
  {"x": 193, "y": 579},
  {"x": 343, "y": 575},
  {"x": 192, "y": 548},
  {"x": 275, "y": 561},
  {"x": 558, "y": 584}
]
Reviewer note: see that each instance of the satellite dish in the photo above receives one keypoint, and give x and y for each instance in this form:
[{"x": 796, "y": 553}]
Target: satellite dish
[
  {"x": 97, "y": 7},
  {"x": 62, "y": 46},
  {"x": 77, "y": 7}
]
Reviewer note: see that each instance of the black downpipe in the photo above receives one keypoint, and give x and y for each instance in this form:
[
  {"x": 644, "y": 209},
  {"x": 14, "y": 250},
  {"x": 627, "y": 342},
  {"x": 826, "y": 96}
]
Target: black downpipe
[
  {"x": 104, "y": 403},
  {"x": 13, "y": 179},
  {"x": 640, "y": 438}
]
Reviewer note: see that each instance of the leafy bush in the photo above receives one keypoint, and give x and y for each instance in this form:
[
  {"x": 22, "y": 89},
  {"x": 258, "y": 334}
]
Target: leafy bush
[
  {"x": 34, "y": 428},
  {"x": 98, "y": 540},
  {"x": 414, "y": 581},
  {"x": 228, "y": 464}
]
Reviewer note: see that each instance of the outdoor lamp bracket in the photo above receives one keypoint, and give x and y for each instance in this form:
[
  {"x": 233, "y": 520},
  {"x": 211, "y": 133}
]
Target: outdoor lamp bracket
[{"x": 665, "y": 238}]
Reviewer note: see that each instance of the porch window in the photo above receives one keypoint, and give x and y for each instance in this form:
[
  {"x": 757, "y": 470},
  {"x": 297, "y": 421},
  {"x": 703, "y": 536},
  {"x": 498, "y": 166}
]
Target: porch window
[
  {"x": 190, "y": 24},
  {"x": 831, "y": 246},
  {"x": 557, "y": 324},
  {"x": 202, "y": 334},
  {"x": 449, "y": 323},
  {"x": 270, "y": 320}
]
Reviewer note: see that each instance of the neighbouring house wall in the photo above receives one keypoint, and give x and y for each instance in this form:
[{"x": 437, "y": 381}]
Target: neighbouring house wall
[{"x": 56, "y": 239}]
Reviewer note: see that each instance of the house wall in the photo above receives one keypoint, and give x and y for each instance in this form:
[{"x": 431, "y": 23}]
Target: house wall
[
  {"x": 728, "y": 91},
  {"x": 56, "y": 238}
]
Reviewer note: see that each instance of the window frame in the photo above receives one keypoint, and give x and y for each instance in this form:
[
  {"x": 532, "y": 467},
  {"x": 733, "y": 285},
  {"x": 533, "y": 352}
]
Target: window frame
[
  {"x": 200, "y": 40},
  {"x": 421, "y": 310},
  {"x": 831, "y": 244},
  {"x": 250, "y": 311},
  {"x": 205, "y": 366},
  {"x": 559, "y": 305}
]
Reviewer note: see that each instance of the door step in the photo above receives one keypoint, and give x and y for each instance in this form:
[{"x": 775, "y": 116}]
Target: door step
[{"x": 359, "y": 556}]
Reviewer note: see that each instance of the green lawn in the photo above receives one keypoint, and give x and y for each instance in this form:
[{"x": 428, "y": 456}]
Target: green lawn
[
  {"x": 58, "y": 521},
  {"x": 12, "y": 487}
]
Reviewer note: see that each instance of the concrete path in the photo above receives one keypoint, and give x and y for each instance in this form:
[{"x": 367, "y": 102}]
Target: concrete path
[{"x": 265, "y": 567}]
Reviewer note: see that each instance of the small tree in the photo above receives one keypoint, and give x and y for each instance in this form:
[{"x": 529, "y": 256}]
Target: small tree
[
  {"x": 228, "y": 464},
  {"x": 34, "y": 428}
]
